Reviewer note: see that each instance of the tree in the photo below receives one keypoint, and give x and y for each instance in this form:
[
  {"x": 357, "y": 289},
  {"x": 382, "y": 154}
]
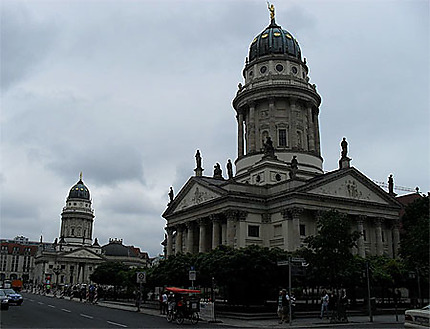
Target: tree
[
  {"x": 110, "y": 273},
  {"x": 329, "y": 252},
  {"x": 414, "y": 240}
]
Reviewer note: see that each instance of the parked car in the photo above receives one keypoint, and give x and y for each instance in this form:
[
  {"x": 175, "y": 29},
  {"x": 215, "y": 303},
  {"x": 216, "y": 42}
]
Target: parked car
[
  {"x": 4, "y": 300},
  {"x": 418, "y": 318},
  {"x": 14, "y": 297}
]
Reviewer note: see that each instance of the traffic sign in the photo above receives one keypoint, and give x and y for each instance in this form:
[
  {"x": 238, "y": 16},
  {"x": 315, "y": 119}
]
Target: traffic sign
[
  {"x": 298, "y": 260},
  {"x": 192, "y": 275},
  {"x": 282, "y": 263},
  {"x": 141, "y": 277}
]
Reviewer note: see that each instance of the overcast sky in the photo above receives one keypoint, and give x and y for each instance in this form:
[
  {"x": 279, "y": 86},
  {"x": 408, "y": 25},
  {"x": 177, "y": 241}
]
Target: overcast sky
[{"x": 127, "y": 91}]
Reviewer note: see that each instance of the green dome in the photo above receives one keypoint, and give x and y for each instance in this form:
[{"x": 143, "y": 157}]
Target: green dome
[
  {"x": 79, "y": 191},
  {"x": 274, "y": 40}
]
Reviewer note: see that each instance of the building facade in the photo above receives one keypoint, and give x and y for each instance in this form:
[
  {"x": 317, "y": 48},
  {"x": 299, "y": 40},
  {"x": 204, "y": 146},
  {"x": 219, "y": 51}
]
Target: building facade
[
  {"x": 74, "y": 256},
  {"x": 279, "y": 189}
]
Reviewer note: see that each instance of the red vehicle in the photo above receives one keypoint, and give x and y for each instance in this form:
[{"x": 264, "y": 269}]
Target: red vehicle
[{"x": 183, "y": 304}]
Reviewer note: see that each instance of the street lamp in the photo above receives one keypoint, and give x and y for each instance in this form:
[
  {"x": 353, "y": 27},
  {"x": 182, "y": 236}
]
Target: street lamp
[{"x": 57, "y": 271}]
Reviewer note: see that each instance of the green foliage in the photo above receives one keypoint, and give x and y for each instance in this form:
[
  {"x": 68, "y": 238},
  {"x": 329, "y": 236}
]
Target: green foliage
[
  {"x": 414, "y": 240},
  {"x": 386, "y": 272},
  {"x": 329, "y": 252},
  {"x": 110, "y": 273}
]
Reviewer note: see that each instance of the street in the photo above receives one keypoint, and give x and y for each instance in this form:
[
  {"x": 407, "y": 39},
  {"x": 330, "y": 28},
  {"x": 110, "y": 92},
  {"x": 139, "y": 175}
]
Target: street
[{"x": 46, "y": 312}]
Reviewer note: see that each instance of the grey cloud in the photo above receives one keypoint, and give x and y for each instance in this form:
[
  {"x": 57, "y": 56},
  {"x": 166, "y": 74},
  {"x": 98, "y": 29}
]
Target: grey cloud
[{"x": 25, "y": 43}]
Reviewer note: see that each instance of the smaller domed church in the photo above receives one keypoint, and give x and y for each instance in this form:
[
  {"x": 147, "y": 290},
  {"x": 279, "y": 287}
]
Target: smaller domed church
[
  {"x": 75, "y": 254},
  {"x": 279, "y": 189}
]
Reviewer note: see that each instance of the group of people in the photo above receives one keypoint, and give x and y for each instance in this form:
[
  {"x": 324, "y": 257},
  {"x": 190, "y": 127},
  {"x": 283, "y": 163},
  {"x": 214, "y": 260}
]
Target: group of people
[
  {"x": 284, "y": 301},
  {"x": 333, "y": 306}
]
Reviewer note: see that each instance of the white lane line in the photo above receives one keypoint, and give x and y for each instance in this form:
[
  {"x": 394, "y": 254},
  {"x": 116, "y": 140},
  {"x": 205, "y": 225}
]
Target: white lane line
[
  {"x": 68, "y": 311},
  {"x": 52, "y": 306},
  {"x": 117, "y": 324},
  {"x": 86, "y": 316},
  {"x": 31, "y": 300},
  {"x": 40, "y": 303}
]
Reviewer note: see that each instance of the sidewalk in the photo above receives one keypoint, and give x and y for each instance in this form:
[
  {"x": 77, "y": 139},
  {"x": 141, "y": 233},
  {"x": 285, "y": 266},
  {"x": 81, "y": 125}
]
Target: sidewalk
[
  {"x": 311, "y": 322},
  {"x": 354, "y": 321}
]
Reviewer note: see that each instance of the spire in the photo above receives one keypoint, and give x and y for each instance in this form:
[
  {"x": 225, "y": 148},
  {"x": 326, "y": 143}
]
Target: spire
[
  {"x": 80, "y": 176},
  {"x": 271, "y": 8}
]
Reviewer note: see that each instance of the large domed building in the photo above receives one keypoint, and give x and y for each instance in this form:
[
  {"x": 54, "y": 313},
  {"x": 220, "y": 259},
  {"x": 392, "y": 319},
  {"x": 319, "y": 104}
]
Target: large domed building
[
  {"x": 75, "y": 254},
  {"x": 279, "y": 189}
]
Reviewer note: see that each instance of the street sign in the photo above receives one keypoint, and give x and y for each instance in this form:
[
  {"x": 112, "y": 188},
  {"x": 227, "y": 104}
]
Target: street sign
[
  {"x": 192, "y": 275},
  {"x": 282, "y": 263},
  {"x": 141, "y": 277},
  {"x": 298, "y": 260}
]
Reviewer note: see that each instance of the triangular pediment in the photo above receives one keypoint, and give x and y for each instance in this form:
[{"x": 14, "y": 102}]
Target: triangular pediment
[
  {"x": 82, "y": 253},
  {"x": 197, "y": 191},
  {"x": 352, "y": 186},
  {"x": 197, "y": 194}
]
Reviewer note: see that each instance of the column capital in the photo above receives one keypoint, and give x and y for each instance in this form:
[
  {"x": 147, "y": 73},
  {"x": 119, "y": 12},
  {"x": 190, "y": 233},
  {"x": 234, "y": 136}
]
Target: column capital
[
  {"x": 189, "y": 224},
  {"x": 292, "y": 212},
  {"x": 170, "y": 229},
  {"x": 266, "y": 218},
  {"x": 378, "y": 221},
  {"x": 214, "y": 218}
]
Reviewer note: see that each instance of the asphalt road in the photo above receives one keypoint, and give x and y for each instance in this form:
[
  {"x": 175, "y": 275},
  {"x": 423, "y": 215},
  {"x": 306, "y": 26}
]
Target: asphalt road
[{"x": 46, "y": 312}]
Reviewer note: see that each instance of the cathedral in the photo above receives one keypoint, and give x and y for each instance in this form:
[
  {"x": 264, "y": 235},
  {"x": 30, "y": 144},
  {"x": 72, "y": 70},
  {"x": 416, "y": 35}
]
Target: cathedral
[
  {"x": 73, "y": 257},
  {"x": 279, "y": 189}
]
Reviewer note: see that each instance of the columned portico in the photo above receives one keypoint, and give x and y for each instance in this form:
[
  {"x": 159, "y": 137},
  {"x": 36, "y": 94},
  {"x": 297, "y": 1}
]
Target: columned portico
[
  {"x": 190, "y": 237},
  {"x": 378, "y": 233},
  {"x": 360, "y": 242},
  {"x": 179, "y": 238},
  {"x": 202, "y": 235},
  {"x": 169, "y": 231},
  {"x": 215, "y": 231}
]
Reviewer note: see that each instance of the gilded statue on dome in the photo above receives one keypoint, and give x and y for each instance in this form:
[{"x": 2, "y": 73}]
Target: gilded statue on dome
[{"x": 271, "y": 8}]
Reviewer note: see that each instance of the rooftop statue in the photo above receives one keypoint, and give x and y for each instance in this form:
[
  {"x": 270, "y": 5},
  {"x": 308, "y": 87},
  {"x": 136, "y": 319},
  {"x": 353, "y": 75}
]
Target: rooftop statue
[
  {"x": 271, "y": 8},
  {"x": 344, "y": 146}
]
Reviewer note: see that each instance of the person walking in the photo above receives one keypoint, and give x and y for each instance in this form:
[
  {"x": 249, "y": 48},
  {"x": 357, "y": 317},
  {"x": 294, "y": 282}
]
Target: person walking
[
  {"x": 324, "y": 304},
  {"x": 283, "y": 307}
]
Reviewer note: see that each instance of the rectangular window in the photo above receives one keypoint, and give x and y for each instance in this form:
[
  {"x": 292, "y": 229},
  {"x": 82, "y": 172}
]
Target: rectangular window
[
  {"x": 254, "y": 231},
  {"x": 302, "y": 229},
  {"x": 383, "y": 236},
  {"x": 364, "y": 235},
  {"x": 277, "y": 230},
  {"x": 282, "y": 137}
]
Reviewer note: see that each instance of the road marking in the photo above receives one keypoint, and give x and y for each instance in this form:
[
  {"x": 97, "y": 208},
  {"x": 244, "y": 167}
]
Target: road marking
[
  {"x": 117, "y": 324},
  {"x": 86, "y": 316},
  {"x": 68, "y": 311},
  {"x": 40, "y": 303},
  {"x": 31, "y": 300},
  {"x": 51, "y": 306}
]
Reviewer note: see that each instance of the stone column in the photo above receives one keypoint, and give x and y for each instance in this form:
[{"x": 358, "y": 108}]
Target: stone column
[
  {"x": 252, "y": 145},
  {"x": 396, "y": 239},
  {"x": 202, "y": 235},
  {"x": 272, "y": 119},
  {"x": 224, "y": 233},
  {"x": 179, "y": 236},
  {"x": 360, "y": 242},
  {"x": 215, "y": 231},
  {"x": 240, "y": 142},
  {"x": 241, "y": 229},
  {"x": 231, "y": 231},
  {"x": 317, "y": 131},
  {"x": 169, "y": 231},
  {"x": 378, "y": 230},
  {"x": 293, "y": 120},
  {"x": 190, "y": 237},
  {"x": 295, "y": 215},
  {"x": 311, "y": 132}
]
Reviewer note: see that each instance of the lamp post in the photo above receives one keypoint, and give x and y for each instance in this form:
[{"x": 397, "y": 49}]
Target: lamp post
[
  {"x": 57, "y": 271},
  {"x": 369, "y": 304}
]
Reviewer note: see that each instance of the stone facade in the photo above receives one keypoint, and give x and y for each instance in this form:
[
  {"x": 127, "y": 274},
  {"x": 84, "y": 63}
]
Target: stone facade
[{"x": 279, "y": 189}]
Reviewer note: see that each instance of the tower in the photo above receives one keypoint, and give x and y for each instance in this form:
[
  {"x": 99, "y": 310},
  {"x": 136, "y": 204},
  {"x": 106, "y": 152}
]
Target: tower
[
  {"x": 276, "y": 102},
  {"x": 77, "y": 216}
]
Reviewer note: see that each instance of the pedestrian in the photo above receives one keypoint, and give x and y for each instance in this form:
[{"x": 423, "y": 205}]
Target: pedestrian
[
  {"x": 324, "y": 304},
  {"x": 293, "y": 305},
  {"x": 164, "y": 303},
  {"x": 283, "y": 306},
  {"x": 138, "y": 300},
  {"x": 343, "y": 302},
  {"x": 160, "y": 302}
]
